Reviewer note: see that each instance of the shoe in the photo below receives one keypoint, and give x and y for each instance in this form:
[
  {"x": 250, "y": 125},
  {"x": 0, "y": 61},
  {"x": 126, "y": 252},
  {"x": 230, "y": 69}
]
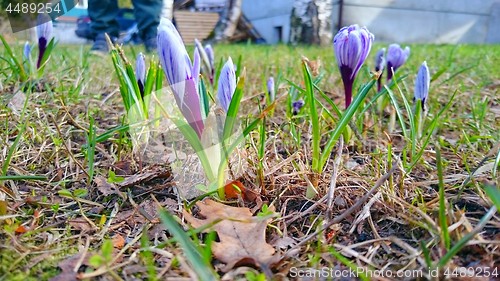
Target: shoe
[
  {"x": 151, "y": 44},
  {"x": 100, "y": 46}
]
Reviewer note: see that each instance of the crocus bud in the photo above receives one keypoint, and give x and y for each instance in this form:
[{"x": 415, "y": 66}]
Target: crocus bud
[
  {"x": 422, "y": 84},
  {"x": 396, "y": 57},
  {"x": 44, "y": 33},
  {"x": 140, "y": 72},
  {"x": 211, "y": 59},
  {"x": 196, "y": 66},
  {"x": 379, "y": 66},
  {"x": 296, "y": 106},
  {"x": 352, "y": 45},
  {"x": 210, "y": 54},
  {"x": 27, "y": 51},
  {"x": 270, "y": 89},
  {"x": 178, "y": 70},
  {"x": 227, "y": 84}
]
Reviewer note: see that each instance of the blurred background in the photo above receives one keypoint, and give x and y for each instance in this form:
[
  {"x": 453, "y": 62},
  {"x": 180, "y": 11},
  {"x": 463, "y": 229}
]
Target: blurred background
[{"x": 303, "y": 21}]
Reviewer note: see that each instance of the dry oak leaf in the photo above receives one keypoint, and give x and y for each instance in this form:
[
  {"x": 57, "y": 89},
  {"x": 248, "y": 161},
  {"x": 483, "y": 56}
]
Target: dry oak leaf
[{"x": 242, "y": 236}]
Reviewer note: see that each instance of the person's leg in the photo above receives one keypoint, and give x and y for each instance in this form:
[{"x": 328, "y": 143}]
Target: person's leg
[
  {"x": 147, "y": 14},
  {"x": 103, "y": 14}
]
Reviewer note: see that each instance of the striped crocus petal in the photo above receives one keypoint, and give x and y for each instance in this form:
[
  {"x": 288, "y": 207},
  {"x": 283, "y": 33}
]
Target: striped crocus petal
[
  {"x": 211, "y": 61},
  {"x": 352, "y": 45},
  {"x": 227, "y": 84},
  {"x": 396, "y": 57},
  {"x": 422, "y": 84},
  {"x": 366, "y": 39},
  {"x": 191, "y": 108},
  {"x": 140, "y": 72},
  {"x": 44, "y": 33},
  {"x": 27, "y": 50},
  {"x": 196, "y": 66},
  {"x": 210, "y": 54},
  {"x": 380, "y": 60},
  {"x": 173, "y": 57},
  {"x": 178, "y": 70},
  {"x": 270, "y": 89},
  {"x": 211, "y": 57}
]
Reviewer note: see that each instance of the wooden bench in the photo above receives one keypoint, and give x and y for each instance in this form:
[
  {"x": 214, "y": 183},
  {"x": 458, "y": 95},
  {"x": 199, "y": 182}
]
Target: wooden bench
[{"x": 193, "y": 25}]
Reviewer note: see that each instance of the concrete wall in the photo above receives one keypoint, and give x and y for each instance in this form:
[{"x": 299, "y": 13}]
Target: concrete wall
[
  {"x": 404, "y": 21},
  {"x": 267, "y": 15},
  {"x": 426, "y": 21}
]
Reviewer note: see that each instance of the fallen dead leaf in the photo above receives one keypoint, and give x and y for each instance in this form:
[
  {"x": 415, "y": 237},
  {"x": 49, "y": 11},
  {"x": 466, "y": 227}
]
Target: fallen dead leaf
[
  {"x": 118, "y": 241},
  {"x": 17, "y": 102},
  {"x": 123, "y": 168},
  {"x": 67, "y": 267},
  {"x": 80, "y": 224},
  {"x": 151, "y": 174},
  {"x": 314, "y": 65},
  {"x": 236, "y": 188},
  {"x": 241, "y": 235},
  {"x": 21, "y": 229},
  {"x": 3, "y": 207},
  {"x": 105, "y": 187}
]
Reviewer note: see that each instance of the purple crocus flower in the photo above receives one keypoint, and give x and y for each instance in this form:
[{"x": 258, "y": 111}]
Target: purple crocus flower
[
  {"x": 211, "y": 57},
  {"x": 422, "y": 84},
  {"x": 379, "y": 66},
  {"x": 179, "y": 72},
  {"x": 140, "y": 72},
  {"x": 44, "y": 33},
  {"x": 296, "y": 106},
  {"x": 352, "y": 45},
  {"x": 227, "y": 84},
  {"x": 27, "y": 51},
  {"x": 396, "y": 57},
  {"x": 270, "y": 89},
  {"x": 196, "y": 65}
]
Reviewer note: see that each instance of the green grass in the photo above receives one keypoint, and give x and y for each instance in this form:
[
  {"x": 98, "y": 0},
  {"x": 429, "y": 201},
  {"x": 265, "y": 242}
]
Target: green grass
[{"x": 75, "y": 112}]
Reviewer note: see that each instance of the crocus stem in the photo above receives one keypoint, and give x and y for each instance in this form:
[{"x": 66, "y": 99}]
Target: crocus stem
[
  {"x": 379, "y": 83},
  {"x": 348, "y": 92},
  {"x": 418, "y": 118}
]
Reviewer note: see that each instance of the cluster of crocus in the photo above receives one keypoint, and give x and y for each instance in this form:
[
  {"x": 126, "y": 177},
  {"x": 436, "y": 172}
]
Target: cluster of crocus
[
  {"x": 140, "y": 72},
  {"x": 422, "y": 84},
  {"x": 352, "y": 45},
  {"x": 396, "y": 57},
  {"x": 180, "y": 73},
  {"x": 44, "y": 33},
  {"x": 183, "y": 76}
]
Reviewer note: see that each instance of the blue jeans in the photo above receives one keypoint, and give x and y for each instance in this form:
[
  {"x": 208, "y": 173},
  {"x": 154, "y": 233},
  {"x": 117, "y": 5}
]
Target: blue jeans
[{"x": 103, "y": 14}]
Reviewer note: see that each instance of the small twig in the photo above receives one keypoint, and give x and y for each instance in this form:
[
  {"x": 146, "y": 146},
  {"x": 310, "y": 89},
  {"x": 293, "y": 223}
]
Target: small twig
[
  {"x": 67, "y": 149},
  {"x": 333, "y": 180},
  {"x": 72, "y": 121},
  {"x": 469, "y": 177},
  {"x": 307, "y": 211},
  {"x": 113, "y": 214},
  {"x": 82, "y": 256},
  {"x": 347, "y": 212},
  {"x": 462, "y": 242},
  {"x": 365, "y": 213}
]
